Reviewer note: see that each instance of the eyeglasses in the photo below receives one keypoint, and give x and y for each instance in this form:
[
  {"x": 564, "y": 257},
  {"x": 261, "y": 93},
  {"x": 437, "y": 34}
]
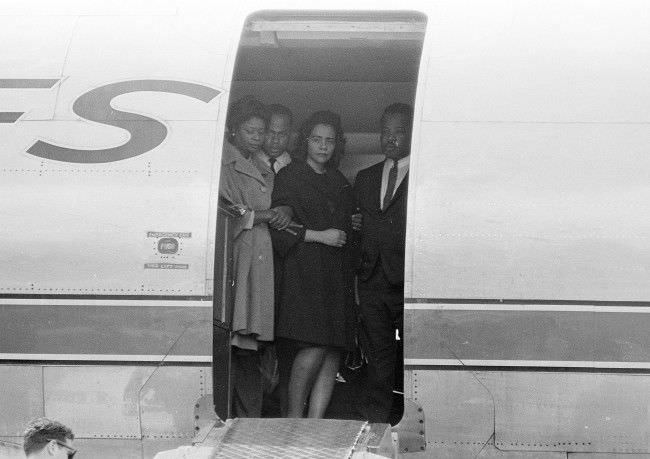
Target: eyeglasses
[
  {"x": 70, "y": 449},
  {"x": 329, "y": 141}
]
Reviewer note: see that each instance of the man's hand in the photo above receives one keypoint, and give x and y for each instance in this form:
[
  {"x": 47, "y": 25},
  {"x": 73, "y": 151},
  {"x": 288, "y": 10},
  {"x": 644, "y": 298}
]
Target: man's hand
[
  {"x": 281, "y": 219},
  {"x": 357, "y": 220}
]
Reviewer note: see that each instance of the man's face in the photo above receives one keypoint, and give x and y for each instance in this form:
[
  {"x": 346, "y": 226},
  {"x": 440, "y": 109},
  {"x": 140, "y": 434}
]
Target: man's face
[
  {"x": 395, "y": 136},
  {"x": 277, "y": 135}
]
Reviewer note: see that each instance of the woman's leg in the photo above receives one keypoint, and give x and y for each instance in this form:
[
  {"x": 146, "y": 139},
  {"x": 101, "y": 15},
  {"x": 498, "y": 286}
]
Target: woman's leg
[
  {"x": 304, "y": 370},
  {"x": 321, "y": 392}
]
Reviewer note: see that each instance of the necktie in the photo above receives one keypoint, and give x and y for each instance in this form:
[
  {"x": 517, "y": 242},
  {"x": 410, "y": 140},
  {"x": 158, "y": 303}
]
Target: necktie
[
  {"x": 272, "y": 164},
  {"x": 390, "y": 186}
]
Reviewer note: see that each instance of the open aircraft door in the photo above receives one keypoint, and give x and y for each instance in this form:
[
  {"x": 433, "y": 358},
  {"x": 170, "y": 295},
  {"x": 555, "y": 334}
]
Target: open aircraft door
[{"x": 353, "y": 62}]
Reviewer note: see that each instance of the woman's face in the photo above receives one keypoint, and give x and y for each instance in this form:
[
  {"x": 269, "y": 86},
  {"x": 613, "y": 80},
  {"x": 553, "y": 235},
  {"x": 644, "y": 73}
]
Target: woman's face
[
  {"x": 250, "y": 135},
  {"x": 321, "y": 144}
]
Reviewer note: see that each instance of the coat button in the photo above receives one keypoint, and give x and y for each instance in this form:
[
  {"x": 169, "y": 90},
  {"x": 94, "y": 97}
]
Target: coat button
[{"x": 263, "y": 189}]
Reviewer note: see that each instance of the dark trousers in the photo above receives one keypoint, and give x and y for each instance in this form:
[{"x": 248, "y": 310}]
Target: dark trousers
[
  {"x": 382, "y": 312},
  {"x": 287, "y": 352},
  {"x": 247, "y": 384}
]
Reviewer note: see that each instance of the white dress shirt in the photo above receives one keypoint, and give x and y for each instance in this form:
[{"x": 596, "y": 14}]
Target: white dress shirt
[
  {"x": 402, "y": 169},
  {"x": 280, "y": 161}
]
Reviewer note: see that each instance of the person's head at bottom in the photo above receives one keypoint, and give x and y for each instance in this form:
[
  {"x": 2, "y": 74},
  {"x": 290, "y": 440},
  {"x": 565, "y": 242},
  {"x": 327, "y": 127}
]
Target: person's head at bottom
[{"x": 45, "y": 438}]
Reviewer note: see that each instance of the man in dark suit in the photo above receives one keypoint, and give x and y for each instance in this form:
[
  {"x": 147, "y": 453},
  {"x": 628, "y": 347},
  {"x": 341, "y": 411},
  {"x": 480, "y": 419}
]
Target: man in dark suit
[{"x": 381, "y": 194}]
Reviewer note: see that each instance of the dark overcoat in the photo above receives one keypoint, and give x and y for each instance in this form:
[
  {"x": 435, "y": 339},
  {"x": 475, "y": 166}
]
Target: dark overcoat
[{"x": 315, "y": 299}]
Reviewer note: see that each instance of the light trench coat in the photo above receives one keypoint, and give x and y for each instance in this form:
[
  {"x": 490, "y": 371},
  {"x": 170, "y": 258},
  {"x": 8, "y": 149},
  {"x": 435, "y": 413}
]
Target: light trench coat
[{"x": 253, "y": 312}]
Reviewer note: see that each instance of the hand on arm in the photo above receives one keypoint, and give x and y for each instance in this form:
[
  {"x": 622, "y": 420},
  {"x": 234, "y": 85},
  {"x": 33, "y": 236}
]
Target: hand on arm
[
  {"x": 282, "y": 218},
  {"x": 331, "y": 236},
  {"x": 357, "y": 220}
]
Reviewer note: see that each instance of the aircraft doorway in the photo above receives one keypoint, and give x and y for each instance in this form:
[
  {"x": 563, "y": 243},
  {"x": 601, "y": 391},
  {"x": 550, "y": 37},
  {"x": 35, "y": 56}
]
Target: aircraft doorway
[{"x": 354, "y": 64}]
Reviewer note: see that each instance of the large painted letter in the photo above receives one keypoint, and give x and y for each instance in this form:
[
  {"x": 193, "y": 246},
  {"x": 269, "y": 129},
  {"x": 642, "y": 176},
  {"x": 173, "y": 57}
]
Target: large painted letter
[
  {"x": 23, "y": 83},
  {"x": 146, "y": 133}
]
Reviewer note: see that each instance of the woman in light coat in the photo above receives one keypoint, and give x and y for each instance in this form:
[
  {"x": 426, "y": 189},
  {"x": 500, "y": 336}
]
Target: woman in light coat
[{"x": 242, "y": 185}]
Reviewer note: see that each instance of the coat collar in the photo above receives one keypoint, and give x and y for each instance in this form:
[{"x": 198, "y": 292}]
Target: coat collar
[
  {"x": 281, "y": 161},
  {"x": 231, "y": 155}
]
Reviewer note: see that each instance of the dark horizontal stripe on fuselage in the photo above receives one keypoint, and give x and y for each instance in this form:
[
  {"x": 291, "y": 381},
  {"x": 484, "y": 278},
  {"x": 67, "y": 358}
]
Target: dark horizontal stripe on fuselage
[
  {"x": 104, "y": 330},
  {"x": 566, "y": 334}
]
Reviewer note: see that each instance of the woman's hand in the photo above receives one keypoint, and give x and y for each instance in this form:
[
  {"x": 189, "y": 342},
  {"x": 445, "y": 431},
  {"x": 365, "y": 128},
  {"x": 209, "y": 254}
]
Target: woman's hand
[
  {"x": 331, "y": 236},
  {"x": 281, "y": 219}
]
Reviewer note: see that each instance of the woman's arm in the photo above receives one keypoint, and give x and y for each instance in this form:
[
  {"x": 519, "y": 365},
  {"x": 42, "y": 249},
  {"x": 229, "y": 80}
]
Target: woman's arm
[
  {"x": 263, "y": 216},
  {"x": 331, "y": 236}
]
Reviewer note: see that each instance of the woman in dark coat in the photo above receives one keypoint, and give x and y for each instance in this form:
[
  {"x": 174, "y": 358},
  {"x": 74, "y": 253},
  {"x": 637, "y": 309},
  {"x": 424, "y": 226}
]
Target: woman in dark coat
[{"x": 315, "y": 300}]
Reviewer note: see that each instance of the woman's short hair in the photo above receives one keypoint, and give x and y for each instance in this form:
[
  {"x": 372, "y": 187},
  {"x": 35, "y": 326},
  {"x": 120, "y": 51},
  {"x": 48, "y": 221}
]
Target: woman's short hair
[
  {"x": 328, "y": 118},
  {"x": 243, "y": 110}
]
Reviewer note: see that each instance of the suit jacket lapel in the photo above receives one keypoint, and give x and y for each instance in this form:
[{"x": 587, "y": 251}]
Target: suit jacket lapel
[
  {"x": 374, "y": 184},
  {"x": 401, "y": 189}
]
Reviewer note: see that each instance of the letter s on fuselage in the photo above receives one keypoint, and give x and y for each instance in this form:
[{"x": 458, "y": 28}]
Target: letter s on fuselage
[{"x": 146, "y": 133}]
